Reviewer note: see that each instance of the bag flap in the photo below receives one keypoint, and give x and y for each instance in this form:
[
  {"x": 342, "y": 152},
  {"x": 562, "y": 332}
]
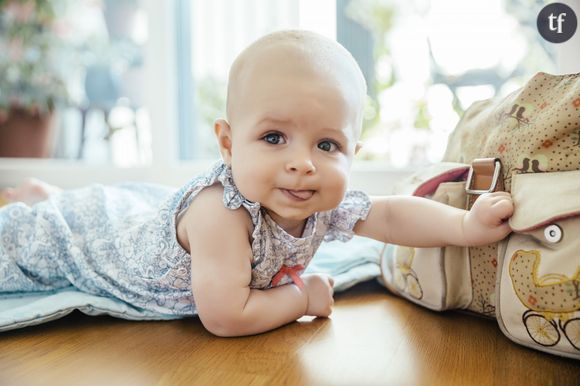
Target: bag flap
[
  {"x": 543, "y": 198},
  {"x": 425, "y": 181}
]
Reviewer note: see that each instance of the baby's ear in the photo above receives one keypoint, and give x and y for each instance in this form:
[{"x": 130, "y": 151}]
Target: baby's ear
[
  {"x": 357, "y": 147},
  {"x": 223, "y": 133}
]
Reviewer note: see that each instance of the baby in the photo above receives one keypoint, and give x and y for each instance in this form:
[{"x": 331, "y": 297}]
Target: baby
[{"x": 231, "y": 245}]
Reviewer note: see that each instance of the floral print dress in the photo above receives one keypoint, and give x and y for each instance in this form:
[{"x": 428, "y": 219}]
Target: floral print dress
[{"x": 120, "y": 241}]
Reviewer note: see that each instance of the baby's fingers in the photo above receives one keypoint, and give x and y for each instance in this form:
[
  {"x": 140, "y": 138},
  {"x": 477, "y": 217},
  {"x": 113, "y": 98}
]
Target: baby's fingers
[
  {"x": 503, "y": 230},
  {"x": 498, "y": 194},
  {"x": 503, "y": 208}
]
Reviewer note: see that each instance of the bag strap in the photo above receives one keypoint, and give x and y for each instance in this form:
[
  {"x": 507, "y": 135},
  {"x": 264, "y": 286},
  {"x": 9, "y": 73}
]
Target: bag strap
[{"x": 484, "y": 176}]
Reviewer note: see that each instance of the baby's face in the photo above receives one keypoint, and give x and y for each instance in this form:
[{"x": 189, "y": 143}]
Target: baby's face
[{"x": 294, "y": 132}]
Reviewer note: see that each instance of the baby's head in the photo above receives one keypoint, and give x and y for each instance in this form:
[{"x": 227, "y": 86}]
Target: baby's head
[{"x": 294, "y": 116}]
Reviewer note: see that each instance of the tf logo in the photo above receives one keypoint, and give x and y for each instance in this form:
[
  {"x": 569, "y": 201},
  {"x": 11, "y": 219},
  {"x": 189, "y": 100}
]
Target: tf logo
[{"x": 557, "y": 22}]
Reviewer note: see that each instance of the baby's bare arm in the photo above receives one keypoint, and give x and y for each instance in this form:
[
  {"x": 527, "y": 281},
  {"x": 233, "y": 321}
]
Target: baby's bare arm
[
  {"x": 419, "y": 222},
  {"x": 221, "y": 272}
]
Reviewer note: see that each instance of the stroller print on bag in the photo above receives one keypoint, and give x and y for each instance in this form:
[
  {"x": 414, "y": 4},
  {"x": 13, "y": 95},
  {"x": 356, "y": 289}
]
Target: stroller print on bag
[{"x": 551, "y": 299}]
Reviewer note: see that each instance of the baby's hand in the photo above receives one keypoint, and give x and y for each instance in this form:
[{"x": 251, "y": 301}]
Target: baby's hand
[
  {"x": 486, "y": 222},
  {"x": 319, "y": 290}
]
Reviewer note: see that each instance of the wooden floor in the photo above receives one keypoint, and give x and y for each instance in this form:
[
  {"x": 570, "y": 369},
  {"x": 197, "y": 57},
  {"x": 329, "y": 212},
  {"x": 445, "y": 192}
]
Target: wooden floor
[{"x": 372, "y": 338}]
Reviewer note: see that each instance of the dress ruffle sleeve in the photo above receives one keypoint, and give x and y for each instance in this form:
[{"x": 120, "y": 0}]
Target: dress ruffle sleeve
[{"x": 354, "y": 207}]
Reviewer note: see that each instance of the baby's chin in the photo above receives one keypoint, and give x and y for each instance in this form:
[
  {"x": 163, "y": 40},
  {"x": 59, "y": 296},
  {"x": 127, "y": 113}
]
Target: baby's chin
[{"x": 289, "y": 215}]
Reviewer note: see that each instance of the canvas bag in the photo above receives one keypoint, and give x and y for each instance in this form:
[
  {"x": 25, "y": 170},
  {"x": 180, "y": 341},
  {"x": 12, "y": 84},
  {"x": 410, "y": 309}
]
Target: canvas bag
[{"x": 530, "y": 282}]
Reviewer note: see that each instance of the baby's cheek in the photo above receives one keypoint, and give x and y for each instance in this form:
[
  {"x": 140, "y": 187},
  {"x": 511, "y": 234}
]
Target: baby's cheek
[
  {"x": 250, "y": 189},
  {"x": 246, "y": 181},
  {"x": 335, "y": 188}
]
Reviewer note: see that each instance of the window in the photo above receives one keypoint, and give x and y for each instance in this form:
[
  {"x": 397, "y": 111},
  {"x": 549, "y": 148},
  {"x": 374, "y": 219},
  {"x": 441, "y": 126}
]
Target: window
[
  {"x": 115, "y": 66},
  {"x": 430, "y": 60},
  {"x": 80, "y": 62},
  {"x": 150, "y": 78}
]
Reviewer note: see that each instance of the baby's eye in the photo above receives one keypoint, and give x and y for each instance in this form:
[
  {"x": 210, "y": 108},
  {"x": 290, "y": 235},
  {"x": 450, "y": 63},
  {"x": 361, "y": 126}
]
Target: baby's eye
[
  {"x": 274, "y": 138},
  {"x": 327, "y": 146}
]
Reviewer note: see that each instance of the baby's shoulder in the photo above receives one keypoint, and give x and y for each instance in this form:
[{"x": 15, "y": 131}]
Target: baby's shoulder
[{"x": 207, "y": 210}]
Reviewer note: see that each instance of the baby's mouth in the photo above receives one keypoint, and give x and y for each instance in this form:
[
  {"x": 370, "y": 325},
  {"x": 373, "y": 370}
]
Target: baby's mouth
[{"x": 300, "y": 195}]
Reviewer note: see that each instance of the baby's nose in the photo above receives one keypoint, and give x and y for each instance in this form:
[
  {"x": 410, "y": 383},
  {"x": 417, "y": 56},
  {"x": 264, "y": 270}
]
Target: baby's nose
[{"x": 302, "y": 165}]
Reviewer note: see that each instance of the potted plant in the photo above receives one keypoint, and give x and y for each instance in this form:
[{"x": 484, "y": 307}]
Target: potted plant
[{"x": 33, "y": 79}]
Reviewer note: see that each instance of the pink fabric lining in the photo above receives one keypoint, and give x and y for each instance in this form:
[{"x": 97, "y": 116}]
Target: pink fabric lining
[{"x": 428, "y": 187}]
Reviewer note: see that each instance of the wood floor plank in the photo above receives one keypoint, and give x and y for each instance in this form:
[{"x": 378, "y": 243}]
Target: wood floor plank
[{"x": 372, "y": 338}]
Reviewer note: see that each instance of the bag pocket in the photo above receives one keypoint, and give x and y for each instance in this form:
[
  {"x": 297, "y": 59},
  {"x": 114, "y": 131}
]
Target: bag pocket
[
  {"x": 538, "y": 287},
  {"x": 436, "y": 278}
]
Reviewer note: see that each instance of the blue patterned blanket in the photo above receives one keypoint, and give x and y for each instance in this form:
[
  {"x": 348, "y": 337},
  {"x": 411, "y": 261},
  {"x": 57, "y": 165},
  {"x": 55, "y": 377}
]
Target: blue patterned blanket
[{"x": 350, "y": 263}]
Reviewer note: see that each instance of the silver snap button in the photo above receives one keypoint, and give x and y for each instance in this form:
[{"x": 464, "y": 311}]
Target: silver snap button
[{"x": 553, "y": 233}]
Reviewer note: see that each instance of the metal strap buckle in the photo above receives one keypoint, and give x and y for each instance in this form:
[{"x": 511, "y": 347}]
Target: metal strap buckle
[{"x": 494, "y": 179}]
